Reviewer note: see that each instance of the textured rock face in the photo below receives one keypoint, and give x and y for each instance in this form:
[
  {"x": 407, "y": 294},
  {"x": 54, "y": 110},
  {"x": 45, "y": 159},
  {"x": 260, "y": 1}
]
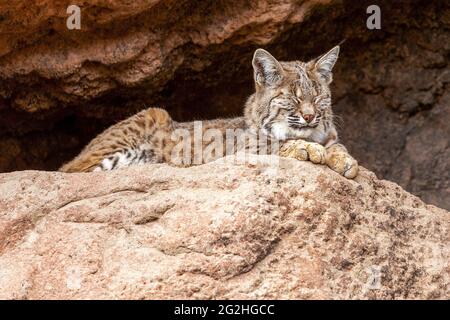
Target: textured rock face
[
  {"x": 59, "y": 88},
  {"x": 221, "y": 230}
]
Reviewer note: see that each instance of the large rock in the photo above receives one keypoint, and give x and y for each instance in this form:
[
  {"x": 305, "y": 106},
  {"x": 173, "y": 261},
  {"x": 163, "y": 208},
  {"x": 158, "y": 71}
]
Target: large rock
[
  {"x": 60, "y": 87},
  {"x": 220, "y": 230}
]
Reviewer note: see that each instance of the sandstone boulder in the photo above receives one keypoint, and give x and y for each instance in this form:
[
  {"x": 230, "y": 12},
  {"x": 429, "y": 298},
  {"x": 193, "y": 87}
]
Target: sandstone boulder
[
  {"x": 61, "y": 87},
  {"x": 264, "y": 229}
]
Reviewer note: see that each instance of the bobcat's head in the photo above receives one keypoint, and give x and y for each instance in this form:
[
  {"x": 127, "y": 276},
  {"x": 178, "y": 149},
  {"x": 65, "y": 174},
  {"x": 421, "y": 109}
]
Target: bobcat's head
[{"x": 292, "y": 99}]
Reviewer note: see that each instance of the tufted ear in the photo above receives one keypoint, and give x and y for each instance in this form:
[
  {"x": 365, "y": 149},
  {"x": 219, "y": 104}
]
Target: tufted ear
[
  {"x": 325, "y": 64},
  {"x": 267, "y": 70}
]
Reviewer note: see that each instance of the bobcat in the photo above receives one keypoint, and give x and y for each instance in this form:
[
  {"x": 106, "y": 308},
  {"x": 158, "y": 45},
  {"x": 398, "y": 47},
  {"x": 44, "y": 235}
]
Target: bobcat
[{"x": 291, "y": 106}]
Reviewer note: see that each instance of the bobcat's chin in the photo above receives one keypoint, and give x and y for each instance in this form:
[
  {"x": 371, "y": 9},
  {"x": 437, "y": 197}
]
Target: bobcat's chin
[
  {"x": 283, "y": 131},
  {"x": 280, "y": 131}
]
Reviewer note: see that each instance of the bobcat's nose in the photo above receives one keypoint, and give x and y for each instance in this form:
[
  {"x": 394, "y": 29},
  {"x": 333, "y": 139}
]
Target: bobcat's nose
[{"x": 308, "y": 117}]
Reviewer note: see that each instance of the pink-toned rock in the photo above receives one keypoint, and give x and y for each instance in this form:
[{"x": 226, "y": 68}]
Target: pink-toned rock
[
  {"x": 140, "y": 40},
  {"x": 220, "y": 230},
  {"x": 59, "y": 88}
]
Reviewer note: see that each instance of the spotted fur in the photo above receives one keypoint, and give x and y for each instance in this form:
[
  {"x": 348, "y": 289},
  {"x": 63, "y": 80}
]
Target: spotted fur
[{"x": 292, "y": 101}]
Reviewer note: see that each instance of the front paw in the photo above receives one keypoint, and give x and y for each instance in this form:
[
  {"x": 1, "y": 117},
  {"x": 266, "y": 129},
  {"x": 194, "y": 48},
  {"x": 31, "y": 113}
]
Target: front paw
[
  {"x": 294, "y": 149},
  {"x": 316, "y": 152},
  {"x": 343, "y": 163},
  {"x": 302, "y": 150}
]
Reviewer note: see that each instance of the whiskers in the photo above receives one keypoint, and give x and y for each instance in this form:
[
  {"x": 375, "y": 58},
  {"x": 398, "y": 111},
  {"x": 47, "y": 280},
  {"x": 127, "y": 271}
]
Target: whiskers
[
  {"x": 316, "y": 121},
  {"x": 296, "y": 122},
  {"x": 337, "y": 121},
  {"x": 299, "y": 123}
]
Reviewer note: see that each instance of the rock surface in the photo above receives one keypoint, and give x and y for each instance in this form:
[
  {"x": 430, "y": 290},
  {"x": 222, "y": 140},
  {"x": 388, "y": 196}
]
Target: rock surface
[
  {"x": 220, "y": 230},
  {"x": 60, "y": 87}
]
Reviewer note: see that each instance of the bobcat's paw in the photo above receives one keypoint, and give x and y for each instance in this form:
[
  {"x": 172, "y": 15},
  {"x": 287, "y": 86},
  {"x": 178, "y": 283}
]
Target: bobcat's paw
[
  {"x": 316, "y": 152},
  {"x": 293, "y": 149},
  {"x": 343, "y": 163},
  {"x": 302, "y": 150}
]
